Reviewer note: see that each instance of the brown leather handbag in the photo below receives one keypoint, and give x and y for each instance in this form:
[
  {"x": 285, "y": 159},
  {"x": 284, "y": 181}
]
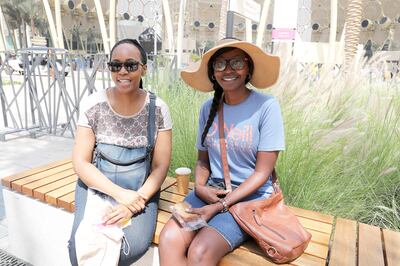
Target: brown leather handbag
[{"x": 273, "y": 226}]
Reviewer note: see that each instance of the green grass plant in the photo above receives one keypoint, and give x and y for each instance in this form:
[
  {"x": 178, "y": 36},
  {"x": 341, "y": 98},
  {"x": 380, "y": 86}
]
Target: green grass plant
[{"x": 342, "y": 152}]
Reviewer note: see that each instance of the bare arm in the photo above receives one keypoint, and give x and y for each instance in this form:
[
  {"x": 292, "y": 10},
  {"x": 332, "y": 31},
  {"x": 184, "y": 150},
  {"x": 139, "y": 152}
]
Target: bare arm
[
  {"x": 202, "y": 171},
  {"x": 160, "y": 164}
]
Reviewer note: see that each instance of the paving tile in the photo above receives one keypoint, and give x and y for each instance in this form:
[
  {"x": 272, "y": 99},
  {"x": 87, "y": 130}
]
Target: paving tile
[
  {"x": 4, "y": 222},
  {"x": 3, "y": 231},
  {"x": 5, "y": 243}
]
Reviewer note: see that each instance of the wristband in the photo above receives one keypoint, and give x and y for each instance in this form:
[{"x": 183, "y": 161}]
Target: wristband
[{"x": 224, "y": 205}]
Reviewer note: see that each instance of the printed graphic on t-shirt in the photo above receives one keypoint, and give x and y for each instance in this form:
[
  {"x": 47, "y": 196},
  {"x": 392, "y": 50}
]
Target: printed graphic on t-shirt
[{"x": 238, "y": 138}]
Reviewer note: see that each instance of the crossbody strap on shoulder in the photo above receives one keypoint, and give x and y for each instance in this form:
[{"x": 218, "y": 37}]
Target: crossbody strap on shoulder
[
  {"x": 151, "y": 125},
  {"x": 151, "y": 129}
]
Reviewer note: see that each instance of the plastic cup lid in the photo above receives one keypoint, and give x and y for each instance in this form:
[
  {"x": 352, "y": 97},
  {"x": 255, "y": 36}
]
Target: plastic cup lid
[{"x": 183, "y": 171}]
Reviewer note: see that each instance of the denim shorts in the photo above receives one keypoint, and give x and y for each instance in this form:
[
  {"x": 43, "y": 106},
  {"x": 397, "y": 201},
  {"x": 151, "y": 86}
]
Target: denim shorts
[{"x": 224, "y": 223}]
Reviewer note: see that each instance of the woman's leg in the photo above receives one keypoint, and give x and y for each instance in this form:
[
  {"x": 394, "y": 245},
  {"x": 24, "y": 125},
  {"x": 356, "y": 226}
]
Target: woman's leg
[
  {"x": 174, "y": 243},
  {"x": 207, "y": 248}
]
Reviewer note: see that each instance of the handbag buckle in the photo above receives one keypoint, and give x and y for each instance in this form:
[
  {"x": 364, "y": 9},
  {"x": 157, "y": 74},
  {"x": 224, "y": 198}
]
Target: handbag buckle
[{"x": 271, "y": 251}]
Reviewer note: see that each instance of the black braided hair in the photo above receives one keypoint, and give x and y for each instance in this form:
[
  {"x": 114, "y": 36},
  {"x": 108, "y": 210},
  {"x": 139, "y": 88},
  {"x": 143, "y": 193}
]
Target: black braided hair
[
  {"x": 213, "y": 111},
  {"x": 218, "y": 91},
  {"x": 143, "y": 54}
]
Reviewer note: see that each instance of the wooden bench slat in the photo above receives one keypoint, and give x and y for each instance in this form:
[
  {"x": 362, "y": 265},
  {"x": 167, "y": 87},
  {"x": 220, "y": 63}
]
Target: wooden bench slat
[
  {"x": 52, "y": 196},
  {"x": 40, "y": 193},
  {"x": 343, "y": 250},
  {"x": 239, "y": 257},
  {"x": 315, "y": 225},
  {"x": 312, "y": 215},
  {"x": 17, "y": 185},
  {"x": 171, "y": 197},
  {"x": 309, "y": 260},
  {"x": 174, "y": 189},
  {"x": 317, "y": 250},
  {"x": 370, "y": 250},
  {"x": 163, "y": 216},
  {"x": 66, "y": 201},
  {"x": 164, "y": 205},
  {"x": 392, "y": 247},
  {"x": 28, "y": 188},
  {"x": 319, "y": 237},
  {"x": 6, "y": 181},
  {"x": 169, "y": 181}
]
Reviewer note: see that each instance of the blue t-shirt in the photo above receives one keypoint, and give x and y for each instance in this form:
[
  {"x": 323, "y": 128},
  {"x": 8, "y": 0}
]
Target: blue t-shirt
[{"x": 250, "y": 126}]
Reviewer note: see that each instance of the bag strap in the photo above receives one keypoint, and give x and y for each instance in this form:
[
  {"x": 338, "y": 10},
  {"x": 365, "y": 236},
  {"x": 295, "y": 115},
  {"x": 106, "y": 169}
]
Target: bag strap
[
  {"x": 224, "y": 158},
  {"x": 151, "y": 127},
  {"x": 222, "y": 144}
]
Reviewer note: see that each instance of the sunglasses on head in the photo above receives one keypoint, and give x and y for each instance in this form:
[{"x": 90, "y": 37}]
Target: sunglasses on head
[
  {"x": 130, "y": 65},
  {"x": 236, "y": 63}
]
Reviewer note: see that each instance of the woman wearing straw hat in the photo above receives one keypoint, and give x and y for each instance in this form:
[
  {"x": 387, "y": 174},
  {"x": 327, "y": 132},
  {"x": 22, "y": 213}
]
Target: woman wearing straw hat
[{"x": 253, "y": 130}]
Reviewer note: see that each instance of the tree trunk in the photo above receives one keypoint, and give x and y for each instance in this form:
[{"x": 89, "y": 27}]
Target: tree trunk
[
  {"x": 352, "y": 30},
  {"x": 22, "y": 34}
]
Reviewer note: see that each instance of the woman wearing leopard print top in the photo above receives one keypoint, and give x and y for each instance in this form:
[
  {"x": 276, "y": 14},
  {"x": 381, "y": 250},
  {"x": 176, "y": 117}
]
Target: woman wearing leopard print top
[{"x": 116, "y": 123}]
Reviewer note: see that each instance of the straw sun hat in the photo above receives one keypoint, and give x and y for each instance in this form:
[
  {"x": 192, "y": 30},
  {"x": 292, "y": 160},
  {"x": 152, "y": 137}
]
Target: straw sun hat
[{"x": 265, "y": 73}]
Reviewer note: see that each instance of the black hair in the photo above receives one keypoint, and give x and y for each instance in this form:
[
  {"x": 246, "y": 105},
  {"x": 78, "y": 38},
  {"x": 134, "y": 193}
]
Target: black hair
[
  {"x": 143, "y": 54},
  {"x": 217, "y": 88}
]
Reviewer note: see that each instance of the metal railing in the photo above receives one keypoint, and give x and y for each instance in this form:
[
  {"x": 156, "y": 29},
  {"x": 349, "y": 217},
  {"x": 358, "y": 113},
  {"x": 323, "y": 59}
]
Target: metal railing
[{"x": 41, "y": 88}]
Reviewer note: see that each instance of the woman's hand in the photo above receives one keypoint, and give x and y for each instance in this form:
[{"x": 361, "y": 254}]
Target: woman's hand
[
  {"x": 210, "y": 194},
  {"x": 133, "y": 200},
  {"x": 208, "y": 211},
  {"x": 117, "y": 215}
]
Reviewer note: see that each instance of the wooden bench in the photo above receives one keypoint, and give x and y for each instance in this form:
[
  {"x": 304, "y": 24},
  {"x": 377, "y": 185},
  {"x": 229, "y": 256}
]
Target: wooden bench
[{"x": 334, "y": 241}]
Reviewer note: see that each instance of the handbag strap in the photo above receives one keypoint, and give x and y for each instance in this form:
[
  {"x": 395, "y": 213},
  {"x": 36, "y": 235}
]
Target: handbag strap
[
  {"x": 222, "y": 144},
  {"x": 224, "y": 158},
  {"x": 151, "y": 127},
  {"x": 151, "y": 123}
]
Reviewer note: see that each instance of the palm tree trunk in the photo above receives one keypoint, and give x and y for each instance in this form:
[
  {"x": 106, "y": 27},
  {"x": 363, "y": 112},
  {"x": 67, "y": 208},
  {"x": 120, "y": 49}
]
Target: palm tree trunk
[
  {"x": 352, "y": 30},
  {"x": 22, "y": 35}
]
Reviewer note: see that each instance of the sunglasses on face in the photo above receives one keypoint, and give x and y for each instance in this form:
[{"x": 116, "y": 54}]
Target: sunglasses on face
[
  {"x": 236, "y": 63},
  {"x": 130, "y": 65}
]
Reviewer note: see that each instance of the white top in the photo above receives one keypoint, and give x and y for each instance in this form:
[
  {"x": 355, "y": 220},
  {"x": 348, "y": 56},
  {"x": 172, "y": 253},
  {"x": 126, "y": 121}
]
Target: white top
[{"x": 112, "y": 128}]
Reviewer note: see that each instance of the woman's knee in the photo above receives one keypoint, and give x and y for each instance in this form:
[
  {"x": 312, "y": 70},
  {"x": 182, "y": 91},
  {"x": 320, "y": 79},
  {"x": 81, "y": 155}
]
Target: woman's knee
[
  {"x": 207, "y": 248},
  {"x": 169, "y": 236},
  {"x": 199, "y": 252}
]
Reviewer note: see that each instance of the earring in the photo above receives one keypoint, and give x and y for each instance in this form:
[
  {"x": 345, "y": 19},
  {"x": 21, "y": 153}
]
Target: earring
[
  {"x": 248, "y": 77},
  {"x": 212, "y": 77}
]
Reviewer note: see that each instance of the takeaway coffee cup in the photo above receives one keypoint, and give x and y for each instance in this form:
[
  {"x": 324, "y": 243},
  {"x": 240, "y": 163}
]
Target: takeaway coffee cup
[{"x": 182, "y": 179}]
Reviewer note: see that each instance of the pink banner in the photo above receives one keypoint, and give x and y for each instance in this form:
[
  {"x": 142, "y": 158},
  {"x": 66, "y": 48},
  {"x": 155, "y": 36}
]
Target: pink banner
[{"x": 284, "y": 34}]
